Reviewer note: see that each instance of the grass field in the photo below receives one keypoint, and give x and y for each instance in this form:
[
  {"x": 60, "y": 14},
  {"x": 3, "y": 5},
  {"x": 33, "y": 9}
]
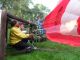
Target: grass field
[{"x": 50, "y": 51}]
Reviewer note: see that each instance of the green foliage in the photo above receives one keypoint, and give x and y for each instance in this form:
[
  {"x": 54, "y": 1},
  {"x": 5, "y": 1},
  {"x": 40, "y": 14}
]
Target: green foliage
[{"x": 21, "y": 8}]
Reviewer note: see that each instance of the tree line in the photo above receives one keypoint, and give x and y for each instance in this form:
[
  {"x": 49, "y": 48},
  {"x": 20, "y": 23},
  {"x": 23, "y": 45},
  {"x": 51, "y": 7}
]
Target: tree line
[{"x": 21, "y": 8}]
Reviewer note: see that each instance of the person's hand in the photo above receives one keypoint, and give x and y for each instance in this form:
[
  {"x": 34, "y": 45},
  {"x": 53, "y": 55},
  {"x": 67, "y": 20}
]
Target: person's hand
[{"x": 30, "y": 35}]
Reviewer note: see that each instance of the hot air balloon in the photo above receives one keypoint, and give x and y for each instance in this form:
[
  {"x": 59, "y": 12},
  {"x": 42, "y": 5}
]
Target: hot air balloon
[{"x": 62, "y": 25}]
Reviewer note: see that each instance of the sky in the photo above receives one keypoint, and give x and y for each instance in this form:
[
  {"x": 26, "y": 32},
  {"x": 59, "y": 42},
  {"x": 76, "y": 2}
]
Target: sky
[{"x": 51, "y": 4}]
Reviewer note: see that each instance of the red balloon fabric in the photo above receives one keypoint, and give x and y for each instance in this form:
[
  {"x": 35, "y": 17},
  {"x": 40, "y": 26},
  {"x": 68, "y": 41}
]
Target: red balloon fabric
[{"x": 62, "y": 26}]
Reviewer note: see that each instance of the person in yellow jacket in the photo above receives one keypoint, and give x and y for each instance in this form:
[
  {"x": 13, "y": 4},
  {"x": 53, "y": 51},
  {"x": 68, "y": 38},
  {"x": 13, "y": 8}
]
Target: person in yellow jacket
[{"x": 18, "y": 39}]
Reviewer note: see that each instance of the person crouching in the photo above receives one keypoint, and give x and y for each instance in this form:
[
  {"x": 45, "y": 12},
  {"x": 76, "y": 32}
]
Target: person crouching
[{"x": 18, "y": 39}]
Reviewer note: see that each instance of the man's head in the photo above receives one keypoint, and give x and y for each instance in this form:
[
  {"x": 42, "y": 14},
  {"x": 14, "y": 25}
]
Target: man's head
[
  {"x": 38, "y": 17},
  {"x": 21, "y": 25},
  {"x": 15, "y": 23}
]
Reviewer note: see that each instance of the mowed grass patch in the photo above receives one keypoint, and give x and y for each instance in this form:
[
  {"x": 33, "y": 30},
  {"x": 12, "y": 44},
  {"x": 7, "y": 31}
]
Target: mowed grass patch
[{"x": 58, "y": 52}]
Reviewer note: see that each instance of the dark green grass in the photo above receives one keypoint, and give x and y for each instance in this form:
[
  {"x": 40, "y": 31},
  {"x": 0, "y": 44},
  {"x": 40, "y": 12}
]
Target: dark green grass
[{"x": 59, "y": 52}]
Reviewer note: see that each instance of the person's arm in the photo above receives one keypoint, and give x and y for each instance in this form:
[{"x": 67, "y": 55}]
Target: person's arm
[{"x": 20, "y": 34}]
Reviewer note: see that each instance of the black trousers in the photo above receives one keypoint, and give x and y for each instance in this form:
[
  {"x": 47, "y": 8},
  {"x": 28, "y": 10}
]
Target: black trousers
[{"x": 22, "y": 44}]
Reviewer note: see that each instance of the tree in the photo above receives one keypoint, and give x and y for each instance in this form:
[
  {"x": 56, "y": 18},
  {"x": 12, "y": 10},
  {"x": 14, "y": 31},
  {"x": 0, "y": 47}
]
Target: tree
[
  {"x": 16, "y": 7},
  {"x": 39, "y": 10},
  {"x": 21, "y": 8}
]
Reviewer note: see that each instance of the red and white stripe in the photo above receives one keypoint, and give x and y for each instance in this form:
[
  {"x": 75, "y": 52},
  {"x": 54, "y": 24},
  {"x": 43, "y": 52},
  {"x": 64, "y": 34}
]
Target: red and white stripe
[
  {"x": 64, "y": 23},
  {"x": 70, "y": 17}
]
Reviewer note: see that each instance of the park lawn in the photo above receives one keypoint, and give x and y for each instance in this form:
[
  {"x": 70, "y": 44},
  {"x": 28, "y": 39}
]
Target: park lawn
[{"x": 57, "y": 52}]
